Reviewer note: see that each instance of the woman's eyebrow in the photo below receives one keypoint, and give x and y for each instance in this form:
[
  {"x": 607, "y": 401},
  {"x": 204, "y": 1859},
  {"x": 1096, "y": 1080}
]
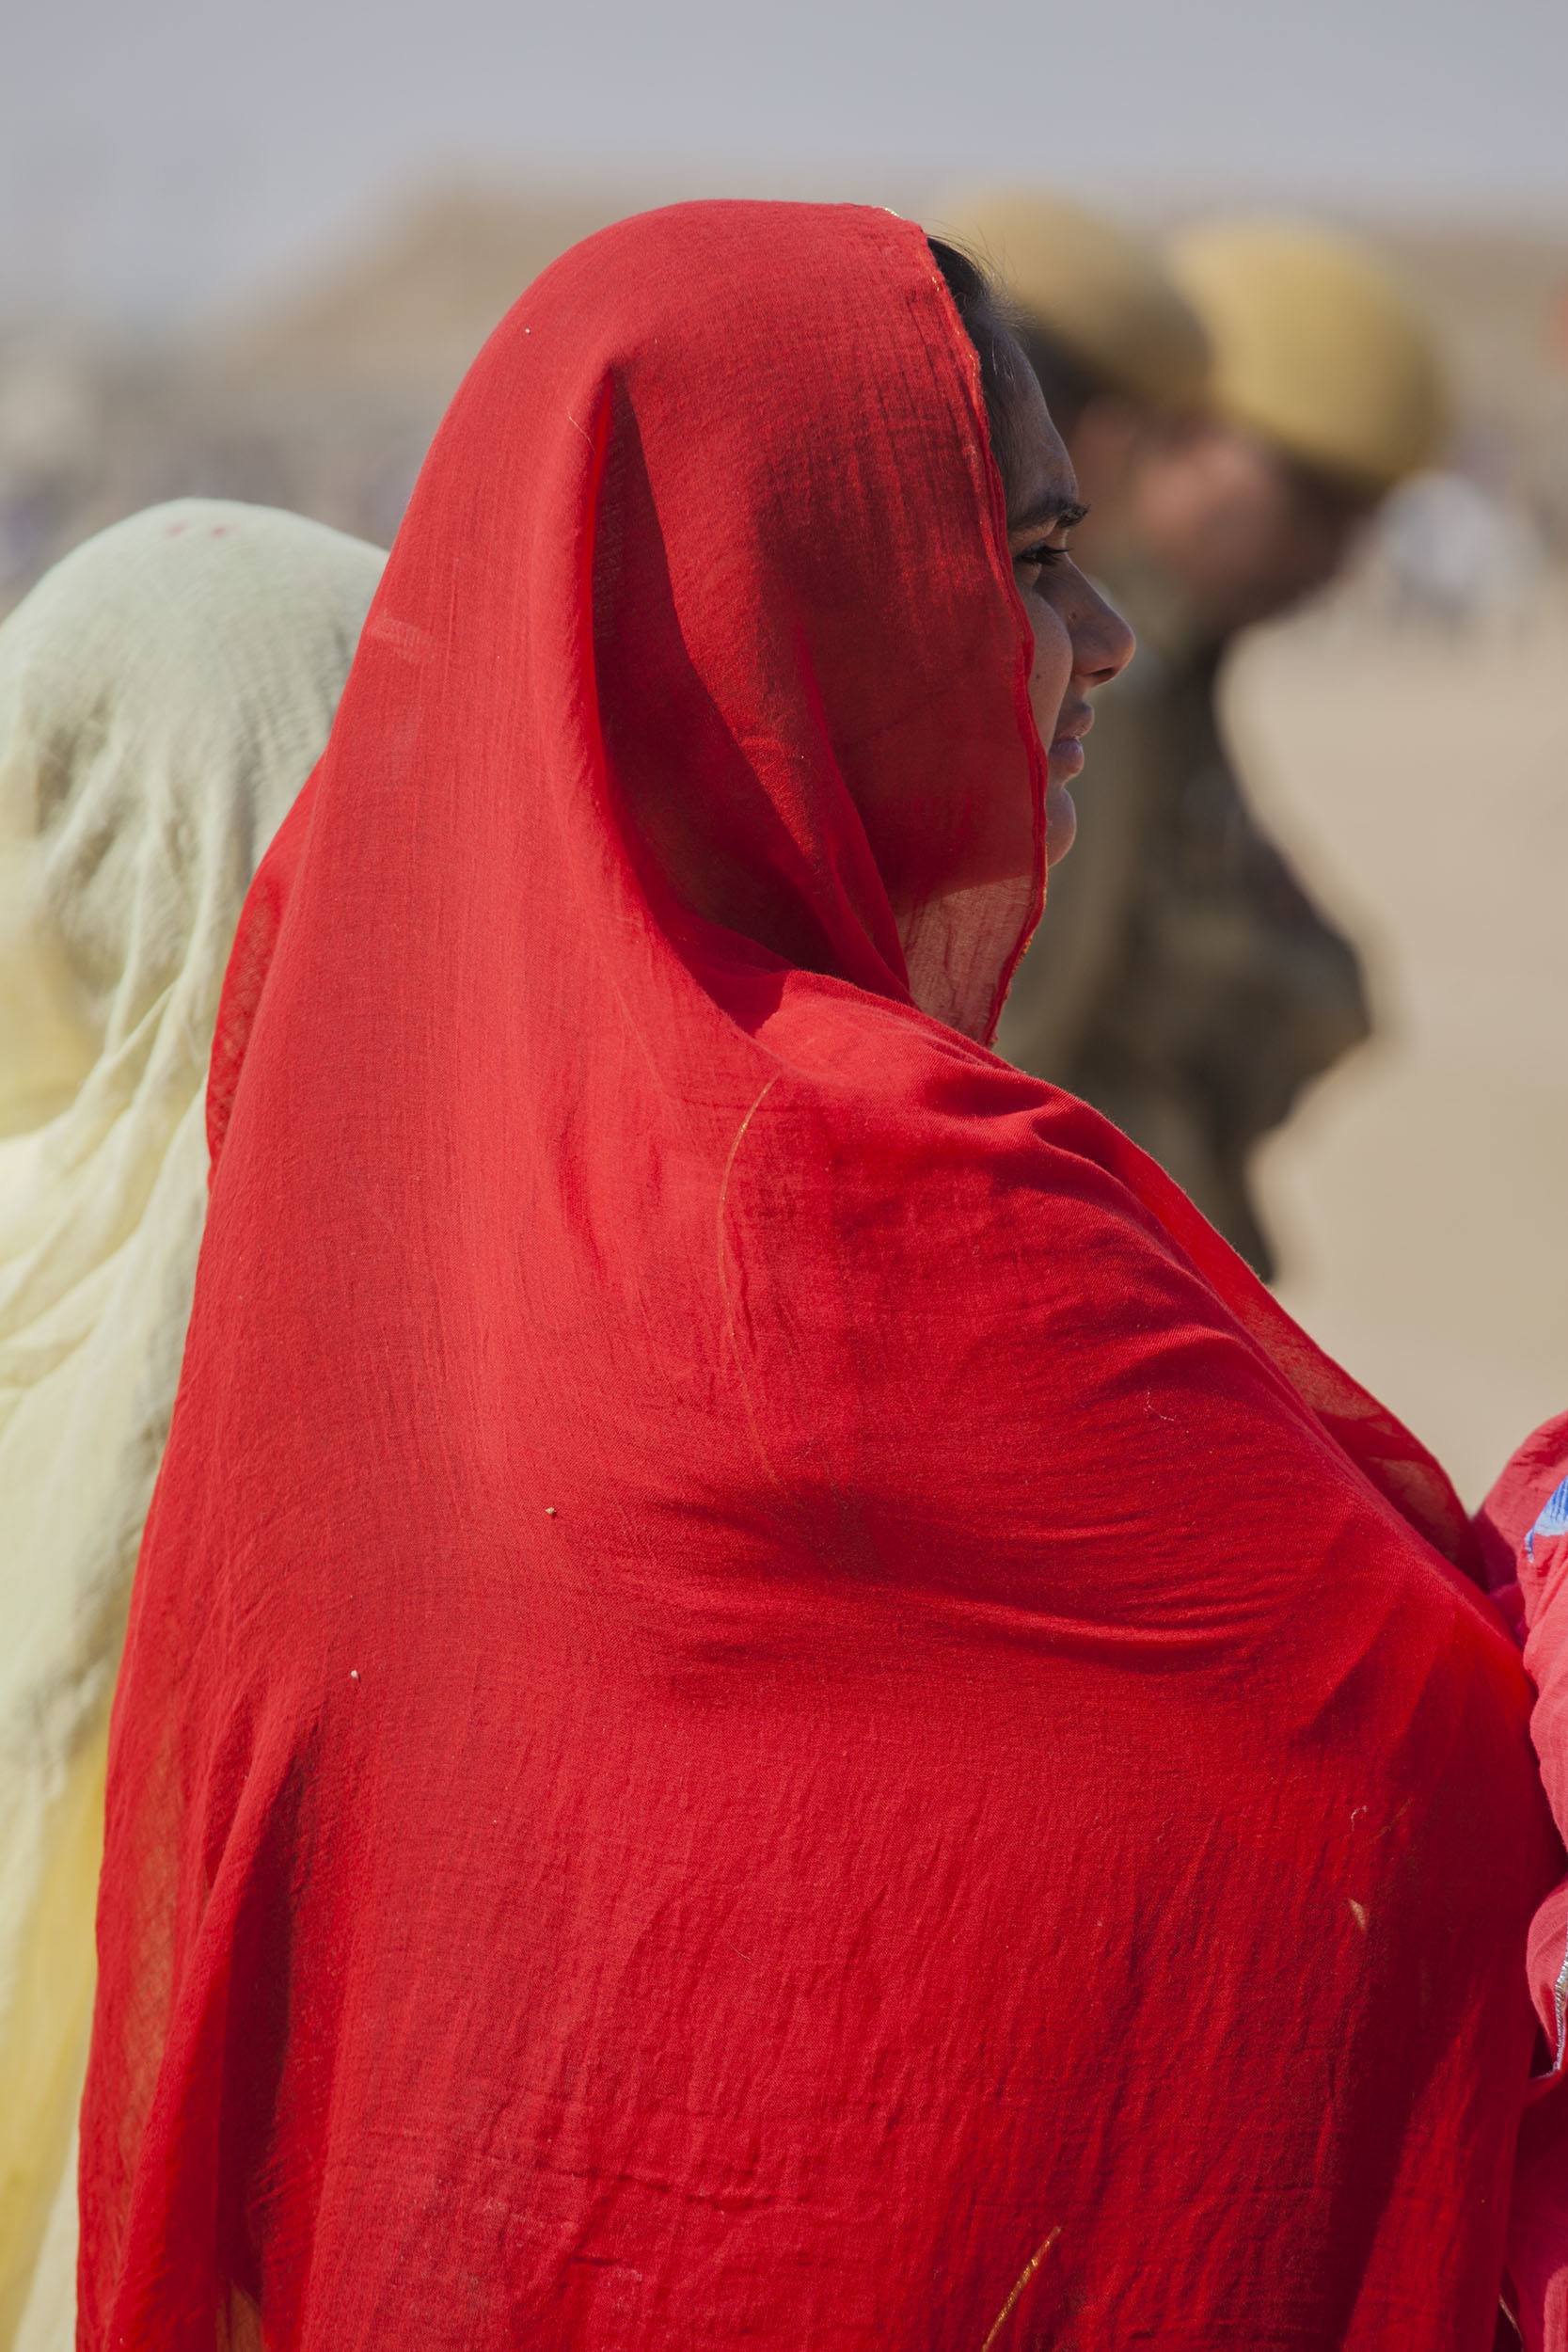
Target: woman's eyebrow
[{"x": 1050, "y": 513}]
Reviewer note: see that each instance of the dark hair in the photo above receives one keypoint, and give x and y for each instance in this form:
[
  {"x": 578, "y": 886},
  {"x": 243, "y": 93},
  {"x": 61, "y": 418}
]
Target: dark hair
[
  {"x": 1068, "y": 382},
  {"x": 998, "y": 340}
]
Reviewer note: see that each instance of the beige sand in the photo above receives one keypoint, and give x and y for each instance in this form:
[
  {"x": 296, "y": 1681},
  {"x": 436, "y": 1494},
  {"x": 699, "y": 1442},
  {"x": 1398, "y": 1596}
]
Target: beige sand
[{"x": 1420, "y": 1192}]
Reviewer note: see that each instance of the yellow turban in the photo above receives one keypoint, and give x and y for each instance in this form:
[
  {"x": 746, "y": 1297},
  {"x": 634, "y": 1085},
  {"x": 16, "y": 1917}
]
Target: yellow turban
[{"x": 1315, "y": 348}]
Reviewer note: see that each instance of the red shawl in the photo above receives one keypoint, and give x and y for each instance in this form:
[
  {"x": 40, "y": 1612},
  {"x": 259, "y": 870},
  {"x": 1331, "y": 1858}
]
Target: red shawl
[{"x": 769, "y": 1703}]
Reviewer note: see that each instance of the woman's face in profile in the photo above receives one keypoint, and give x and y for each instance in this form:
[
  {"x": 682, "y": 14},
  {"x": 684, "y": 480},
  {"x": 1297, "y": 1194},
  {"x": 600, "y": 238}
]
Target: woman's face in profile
[{"x": 1079, "y": 642}]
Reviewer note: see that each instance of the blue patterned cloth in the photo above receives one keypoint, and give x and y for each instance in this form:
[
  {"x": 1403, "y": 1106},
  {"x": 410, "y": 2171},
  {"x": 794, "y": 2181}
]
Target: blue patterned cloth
[{"x": 1553, "y": 1520}]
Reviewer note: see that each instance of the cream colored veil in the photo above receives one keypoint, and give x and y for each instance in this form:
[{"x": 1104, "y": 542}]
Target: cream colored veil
[{"x": 164, "y": 694}]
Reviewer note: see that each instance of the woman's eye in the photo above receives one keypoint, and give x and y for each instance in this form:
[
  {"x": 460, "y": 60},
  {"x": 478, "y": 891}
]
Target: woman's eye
[{"x": 1044, "y": 555}]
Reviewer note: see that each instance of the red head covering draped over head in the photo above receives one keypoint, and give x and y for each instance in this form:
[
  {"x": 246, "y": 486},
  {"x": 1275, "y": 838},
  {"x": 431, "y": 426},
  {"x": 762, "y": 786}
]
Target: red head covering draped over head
[{"x": 769, "y": 1703}]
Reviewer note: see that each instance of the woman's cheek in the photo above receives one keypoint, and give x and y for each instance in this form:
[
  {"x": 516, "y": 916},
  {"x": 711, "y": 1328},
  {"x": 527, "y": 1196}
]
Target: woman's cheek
[{"x": 1051, "y": 671}]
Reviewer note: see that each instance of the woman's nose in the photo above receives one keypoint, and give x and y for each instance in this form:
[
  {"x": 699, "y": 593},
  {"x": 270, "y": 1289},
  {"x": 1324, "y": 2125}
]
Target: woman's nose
[{"x": 1102, "y": 644}]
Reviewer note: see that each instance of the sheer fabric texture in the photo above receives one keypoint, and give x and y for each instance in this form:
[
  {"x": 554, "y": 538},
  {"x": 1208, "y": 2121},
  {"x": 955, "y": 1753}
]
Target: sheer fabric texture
[
  {"x": 164, "y": 694},
  {"x": 768, "y": 1702}
]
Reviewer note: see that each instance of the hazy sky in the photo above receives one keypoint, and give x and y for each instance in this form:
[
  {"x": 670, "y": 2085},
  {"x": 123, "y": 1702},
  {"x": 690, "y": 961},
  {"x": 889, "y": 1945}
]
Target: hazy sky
[{"x": 164, "y": 155}]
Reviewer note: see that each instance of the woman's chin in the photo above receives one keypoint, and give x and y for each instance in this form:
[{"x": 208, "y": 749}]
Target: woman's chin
[{"x": 1061, "y": 822}]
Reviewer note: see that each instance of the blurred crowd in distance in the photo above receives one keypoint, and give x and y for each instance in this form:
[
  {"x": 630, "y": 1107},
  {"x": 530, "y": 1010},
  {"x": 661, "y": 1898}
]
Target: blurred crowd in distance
[{"x": 322, "y": 399}]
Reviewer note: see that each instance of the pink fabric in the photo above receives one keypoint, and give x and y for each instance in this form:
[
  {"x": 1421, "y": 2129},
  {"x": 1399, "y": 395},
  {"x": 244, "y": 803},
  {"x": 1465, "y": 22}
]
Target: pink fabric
[
  {"x": 1522, "y": 1527},
  {"x": 770, "y": 1702}
]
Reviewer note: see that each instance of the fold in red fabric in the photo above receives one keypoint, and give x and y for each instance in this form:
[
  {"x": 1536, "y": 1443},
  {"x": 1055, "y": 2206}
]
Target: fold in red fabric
[{"x": 770, "y": 1702}]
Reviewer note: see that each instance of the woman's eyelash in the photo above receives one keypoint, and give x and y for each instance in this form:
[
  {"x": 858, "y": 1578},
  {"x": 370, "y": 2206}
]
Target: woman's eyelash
[{"x": 1044, "y": 553}]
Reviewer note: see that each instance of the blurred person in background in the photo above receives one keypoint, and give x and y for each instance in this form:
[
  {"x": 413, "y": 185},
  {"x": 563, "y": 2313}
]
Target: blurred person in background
[
  {"x": 1187, "y": 983},
  {"x": 163, "y": 692}
]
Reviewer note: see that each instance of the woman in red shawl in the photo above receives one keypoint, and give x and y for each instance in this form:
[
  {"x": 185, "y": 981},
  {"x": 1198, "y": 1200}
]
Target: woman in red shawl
[{"x": 770, "y": 1702}]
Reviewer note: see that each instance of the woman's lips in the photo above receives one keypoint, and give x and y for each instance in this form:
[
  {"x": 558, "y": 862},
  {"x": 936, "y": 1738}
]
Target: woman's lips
[{"x": 1066, "y": 756}]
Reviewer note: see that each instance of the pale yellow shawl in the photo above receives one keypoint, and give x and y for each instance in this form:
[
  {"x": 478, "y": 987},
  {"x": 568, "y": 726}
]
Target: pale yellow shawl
[{"x": 164, "y": 695}]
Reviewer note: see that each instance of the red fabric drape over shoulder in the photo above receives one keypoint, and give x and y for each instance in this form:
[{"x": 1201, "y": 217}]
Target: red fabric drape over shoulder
[{"x": 769, "y": 1703}]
